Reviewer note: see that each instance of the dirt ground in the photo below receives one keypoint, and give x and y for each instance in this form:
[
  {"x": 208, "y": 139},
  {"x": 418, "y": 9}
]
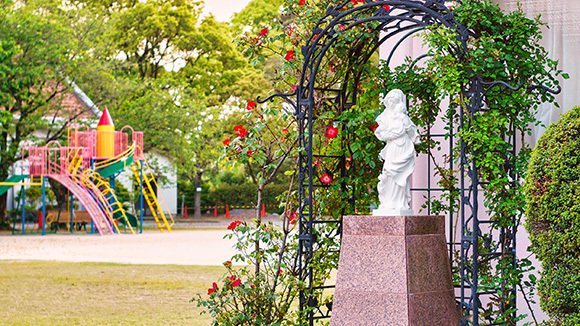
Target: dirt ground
[{"x": 202, "y": 246}]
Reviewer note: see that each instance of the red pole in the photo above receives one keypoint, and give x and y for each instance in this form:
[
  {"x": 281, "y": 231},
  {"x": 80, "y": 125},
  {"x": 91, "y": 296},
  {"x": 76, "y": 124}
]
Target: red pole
[
  {"x": 227, "y": 211},
  {"x": 185, "y": 212},
  {"x": 263, "y": 210},
  {"x": 215, "y": 211},
  {"x": 40, "y": 218}
]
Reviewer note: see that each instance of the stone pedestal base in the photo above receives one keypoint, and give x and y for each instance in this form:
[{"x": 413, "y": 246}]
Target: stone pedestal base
[{"x": 394, "y": 271}]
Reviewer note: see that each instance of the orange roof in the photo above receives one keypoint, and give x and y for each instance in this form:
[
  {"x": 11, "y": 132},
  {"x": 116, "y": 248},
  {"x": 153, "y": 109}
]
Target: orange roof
[{"x": 106, "y": 119}]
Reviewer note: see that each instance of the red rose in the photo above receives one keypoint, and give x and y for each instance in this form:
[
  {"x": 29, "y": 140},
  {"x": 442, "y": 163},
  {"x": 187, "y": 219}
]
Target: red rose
[
  {"x": 215, "y": 287},
  {"x": 251, "y": 105},
  {"x": 289, "y": 55},
  {"x": 228, "y": 263},
  {"x": 239, "y": 149},
  {"x": 331, "y": 132},
  {"x": 284, "y": 131},
  {"x": 237, "y": 282},
  {"x": 374, "y": 127},
  {"x": 250, "y": 152},
  {"x": 210, "y": 291},
  {"x": 331, "y": 67},
  {"x": 326, "y": 179},
  {"x": 293, "y": 218},
  {"x": 226, "y": 142},
  {"x": 238, "y": 128},
  {"x": 302, "y": 2},
  {"x": 263, "y": 32},
  {"x": 233, "y": 225},
  {"x": 387, "y": 7},
  {"x": 241, "y": 133}
]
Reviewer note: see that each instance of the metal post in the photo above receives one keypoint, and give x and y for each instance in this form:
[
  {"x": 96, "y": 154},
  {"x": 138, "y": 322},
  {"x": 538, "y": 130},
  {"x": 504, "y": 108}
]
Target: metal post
[
  {"x": 112, "y": 197},
  {"x": 22, "y": 193},
  {"x": 43, "y": 207},
  {"x": 71, "y": 212},
  {"x": 92, "y": 222},
  {"x": 141, "y": 200},
  {"x": 12, "y": 192}
]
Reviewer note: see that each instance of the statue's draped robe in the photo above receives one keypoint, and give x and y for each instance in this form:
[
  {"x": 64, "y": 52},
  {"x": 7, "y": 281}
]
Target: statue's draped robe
[{"x": 399, "y": 157}]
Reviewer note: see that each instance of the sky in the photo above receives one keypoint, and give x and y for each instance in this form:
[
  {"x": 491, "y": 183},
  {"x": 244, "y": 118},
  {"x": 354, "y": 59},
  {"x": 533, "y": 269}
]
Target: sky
[{"x": 224, "y": 9}]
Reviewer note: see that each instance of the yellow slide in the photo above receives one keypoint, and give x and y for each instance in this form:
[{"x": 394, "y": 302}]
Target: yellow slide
[{"x": 149, "y": 187}]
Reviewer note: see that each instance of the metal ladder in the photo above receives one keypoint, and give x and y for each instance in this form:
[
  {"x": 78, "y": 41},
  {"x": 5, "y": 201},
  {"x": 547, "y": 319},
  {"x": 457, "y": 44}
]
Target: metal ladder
[{"x": 150, "y": 196}]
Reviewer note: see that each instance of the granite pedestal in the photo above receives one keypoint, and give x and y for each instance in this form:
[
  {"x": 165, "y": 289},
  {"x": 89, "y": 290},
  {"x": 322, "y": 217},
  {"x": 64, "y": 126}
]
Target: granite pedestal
[{"x": 394, "y": 271}]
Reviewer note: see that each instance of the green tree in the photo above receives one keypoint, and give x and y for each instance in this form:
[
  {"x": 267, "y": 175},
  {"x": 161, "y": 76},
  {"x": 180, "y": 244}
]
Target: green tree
[
  {"x": 36, "y": 55},
  {"x": 161, "y": 69},
  {"x": 152, "y": 34},
  {"x": 258, "y": 14},
  {"x": 200, "y": 150}
]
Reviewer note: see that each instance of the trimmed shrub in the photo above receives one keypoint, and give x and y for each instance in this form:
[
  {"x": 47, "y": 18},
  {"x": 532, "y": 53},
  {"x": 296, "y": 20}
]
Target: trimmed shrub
[
  {"x": 553, "y": 218},
  {"x": 243, "y": 194}
]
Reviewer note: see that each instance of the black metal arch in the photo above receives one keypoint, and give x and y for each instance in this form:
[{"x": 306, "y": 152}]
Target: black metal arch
[{"x": 402, "y": 16}]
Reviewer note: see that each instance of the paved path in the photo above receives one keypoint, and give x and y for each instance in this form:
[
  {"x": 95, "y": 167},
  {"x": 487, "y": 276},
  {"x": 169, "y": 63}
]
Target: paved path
[{"x": 182, "y": 247}]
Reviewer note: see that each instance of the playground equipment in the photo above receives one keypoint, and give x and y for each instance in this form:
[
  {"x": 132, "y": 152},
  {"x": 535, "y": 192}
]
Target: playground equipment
[{"x": 87, "y": 167}]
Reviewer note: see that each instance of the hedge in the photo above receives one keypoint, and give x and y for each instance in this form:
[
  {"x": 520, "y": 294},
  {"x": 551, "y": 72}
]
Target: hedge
[{"x": 553, "y": 218}]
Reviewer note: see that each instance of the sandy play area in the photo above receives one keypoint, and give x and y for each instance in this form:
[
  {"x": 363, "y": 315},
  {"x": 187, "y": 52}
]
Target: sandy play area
[{"x": 183, "y": 247}]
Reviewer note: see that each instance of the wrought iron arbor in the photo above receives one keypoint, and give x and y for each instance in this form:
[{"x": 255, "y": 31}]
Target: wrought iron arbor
[{"x": 479, "y": 242}]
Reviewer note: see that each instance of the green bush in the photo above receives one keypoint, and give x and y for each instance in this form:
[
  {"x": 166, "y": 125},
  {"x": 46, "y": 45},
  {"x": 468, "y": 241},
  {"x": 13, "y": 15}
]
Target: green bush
[
  {"x": 553, "y": 218},
  {"x": 243, "y": 194}
]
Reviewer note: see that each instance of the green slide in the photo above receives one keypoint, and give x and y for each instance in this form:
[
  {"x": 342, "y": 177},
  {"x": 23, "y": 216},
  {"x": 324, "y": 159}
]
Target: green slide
[
  {"x": 13, "y": 179},
  {"x": 116, "y": 167},
  {"x": 130, "y": 217}
]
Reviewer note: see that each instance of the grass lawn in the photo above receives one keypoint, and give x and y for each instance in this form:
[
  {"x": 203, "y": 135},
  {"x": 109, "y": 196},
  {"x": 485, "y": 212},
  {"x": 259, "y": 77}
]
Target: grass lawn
[{"x": 57, "y": 293}]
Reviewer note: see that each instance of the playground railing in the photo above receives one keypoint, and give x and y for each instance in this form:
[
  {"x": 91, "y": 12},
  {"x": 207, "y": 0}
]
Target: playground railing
[
  {"x": 138, "y": 142},
  {"x": 86, "y": 139}
]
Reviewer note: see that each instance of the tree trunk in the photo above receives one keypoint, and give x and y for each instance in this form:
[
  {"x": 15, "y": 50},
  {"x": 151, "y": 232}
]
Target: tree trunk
[
  {"x": 4, "y": 220},
  {"x": 197, "y": 214}
]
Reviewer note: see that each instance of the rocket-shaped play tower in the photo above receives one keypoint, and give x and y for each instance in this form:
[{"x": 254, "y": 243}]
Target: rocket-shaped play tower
[{"x": 105, "y": 136}]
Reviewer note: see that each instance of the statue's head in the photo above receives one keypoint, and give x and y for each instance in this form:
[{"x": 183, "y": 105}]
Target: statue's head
[{"x": 395, "y": 100}]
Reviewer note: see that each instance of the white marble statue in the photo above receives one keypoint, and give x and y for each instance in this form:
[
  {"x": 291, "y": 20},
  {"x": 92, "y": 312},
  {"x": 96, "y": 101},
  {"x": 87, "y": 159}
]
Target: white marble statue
[{"x": 396, "y": 128}]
